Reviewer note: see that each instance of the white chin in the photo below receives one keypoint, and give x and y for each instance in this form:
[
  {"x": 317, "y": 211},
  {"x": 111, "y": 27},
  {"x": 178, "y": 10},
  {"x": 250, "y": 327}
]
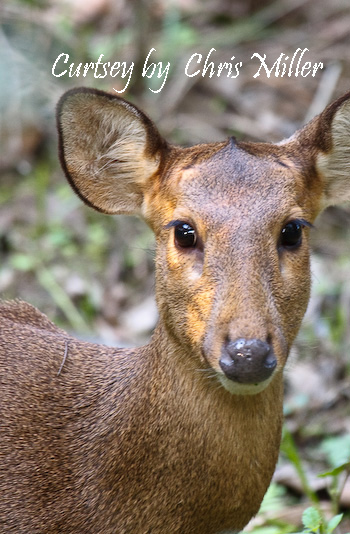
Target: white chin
[{"x": 235, "y": 388}]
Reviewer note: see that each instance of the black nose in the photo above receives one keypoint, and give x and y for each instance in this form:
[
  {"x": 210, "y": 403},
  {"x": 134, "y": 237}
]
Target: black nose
[{"x": 248, "y": 361}]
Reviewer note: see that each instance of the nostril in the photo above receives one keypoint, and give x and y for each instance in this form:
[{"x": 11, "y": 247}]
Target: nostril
[
  {"x": 270, "y": 361},
  {"x": 248, "y": 360}
]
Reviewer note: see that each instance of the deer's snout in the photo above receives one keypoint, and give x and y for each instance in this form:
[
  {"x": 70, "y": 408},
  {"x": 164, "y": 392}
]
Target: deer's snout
[{"x": 247, "y": 361}]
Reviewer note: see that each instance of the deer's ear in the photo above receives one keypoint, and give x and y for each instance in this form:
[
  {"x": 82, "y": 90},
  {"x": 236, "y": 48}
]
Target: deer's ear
[
  {"x": 109, "y": 149},
  {"x": 327, "y": 139}
]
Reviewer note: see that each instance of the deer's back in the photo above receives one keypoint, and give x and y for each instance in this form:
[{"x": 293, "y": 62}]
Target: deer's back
[{"x": 56, "y": 426}]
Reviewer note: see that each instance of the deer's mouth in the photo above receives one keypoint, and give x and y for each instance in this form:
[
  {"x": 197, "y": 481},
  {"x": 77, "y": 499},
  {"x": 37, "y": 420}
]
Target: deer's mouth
[{"x": 237, "y": 388}]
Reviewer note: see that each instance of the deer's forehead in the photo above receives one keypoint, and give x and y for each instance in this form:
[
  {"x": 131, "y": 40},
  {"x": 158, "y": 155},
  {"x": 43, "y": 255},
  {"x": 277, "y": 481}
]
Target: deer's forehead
[{"x": 240, "y": 184}]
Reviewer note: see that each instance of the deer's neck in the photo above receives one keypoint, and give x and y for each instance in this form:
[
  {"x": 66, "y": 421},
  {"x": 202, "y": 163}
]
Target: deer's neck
[{"x": 222, "y": 434}]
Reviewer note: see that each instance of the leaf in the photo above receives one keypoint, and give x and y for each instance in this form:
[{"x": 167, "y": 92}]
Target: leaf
[
  {"x": 336, "y": 471},
  {"x": 289, "y": 448},
  {"x": 23, "y": 262},
  {"x": 337, "y": 450},
  {"x": 334, "y": 522},
  {"x": 312, "y": 519}
]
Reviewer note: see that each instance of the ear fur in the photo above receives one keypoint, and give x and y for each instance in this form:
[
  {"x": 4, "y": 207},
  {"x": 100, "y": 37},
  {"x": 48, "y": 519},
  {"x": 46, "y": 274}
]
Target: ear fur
[
  {"x": 108, "y": 148},
  {"x": 326, "y": 142},
  {"x": 334, "y": 164}
]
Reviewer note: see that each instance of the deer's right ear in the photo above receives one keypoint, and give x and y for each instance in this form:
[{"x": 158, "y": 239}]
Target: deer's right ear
[{"x": 109, "y": 149}]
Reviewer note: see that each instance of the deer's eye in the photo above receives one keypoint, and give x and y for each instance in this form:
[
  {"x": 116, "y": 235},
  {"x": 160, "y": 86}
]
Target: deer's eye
[
  {"x": 291, "y": 235},
  {"x": 185, "y": 235}
]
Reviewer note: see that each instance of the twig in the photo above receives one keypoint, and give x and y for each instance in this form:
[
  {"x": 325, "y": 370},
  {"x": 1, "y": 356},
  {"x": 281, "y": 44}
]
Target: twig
[{"x": 64, "y": 357}]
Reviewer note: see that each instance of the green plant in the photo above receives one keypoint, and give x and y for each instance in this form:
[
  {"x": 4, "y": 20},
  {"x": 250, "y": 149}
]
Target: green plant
[
  {"x": 337, "y": 452},
  {"x": 313, "y": 521}
]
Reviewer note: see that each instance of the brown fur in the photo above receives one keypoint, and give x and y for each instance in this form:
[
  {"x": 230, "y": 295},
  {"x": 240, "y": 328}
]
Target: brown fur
[{"x": 156, "y": 440}]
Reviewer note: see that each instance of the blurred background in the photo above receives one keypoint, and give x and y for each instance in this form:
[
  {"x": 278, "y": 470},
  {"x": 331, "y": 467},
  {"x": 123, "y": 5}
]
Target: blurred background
[{"x": 93, "y": 274}]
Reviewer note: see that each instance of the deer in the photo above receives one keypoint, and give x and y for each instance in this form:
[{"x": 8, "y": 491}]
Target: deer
[{"x": 181, "y": 435}]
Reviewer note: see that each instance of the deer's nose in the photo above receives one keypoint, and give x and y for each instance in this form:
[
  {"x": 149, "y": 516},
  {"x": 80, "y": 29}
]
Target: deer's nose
[{"x": 247, "y": 361}]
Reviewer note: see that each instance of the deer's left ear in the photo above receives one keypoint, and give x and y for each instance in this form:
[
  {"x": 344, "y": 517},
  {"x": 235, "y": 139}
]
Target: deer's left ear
[
  {"x": 327, "y": 138},
  {"x": 334, "y": 164}
]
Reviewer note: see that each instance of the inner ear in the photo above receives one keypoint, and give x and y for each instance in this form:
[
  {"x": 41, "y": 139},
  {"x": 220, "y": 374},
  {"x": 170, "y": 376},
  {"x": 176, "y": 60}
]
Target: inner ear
[
  {"x": 334, "y": 163},
  {"x": 324, "y": 145},
  {"x": 109, "y": 149}
]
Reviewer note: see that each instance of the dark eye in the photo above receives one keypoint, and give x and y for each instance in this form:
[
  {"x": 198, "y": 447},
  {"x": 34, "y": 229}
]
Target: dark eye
[
  {"x": 185, "y": 235},
  {"x": 291, "y": 235}
]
